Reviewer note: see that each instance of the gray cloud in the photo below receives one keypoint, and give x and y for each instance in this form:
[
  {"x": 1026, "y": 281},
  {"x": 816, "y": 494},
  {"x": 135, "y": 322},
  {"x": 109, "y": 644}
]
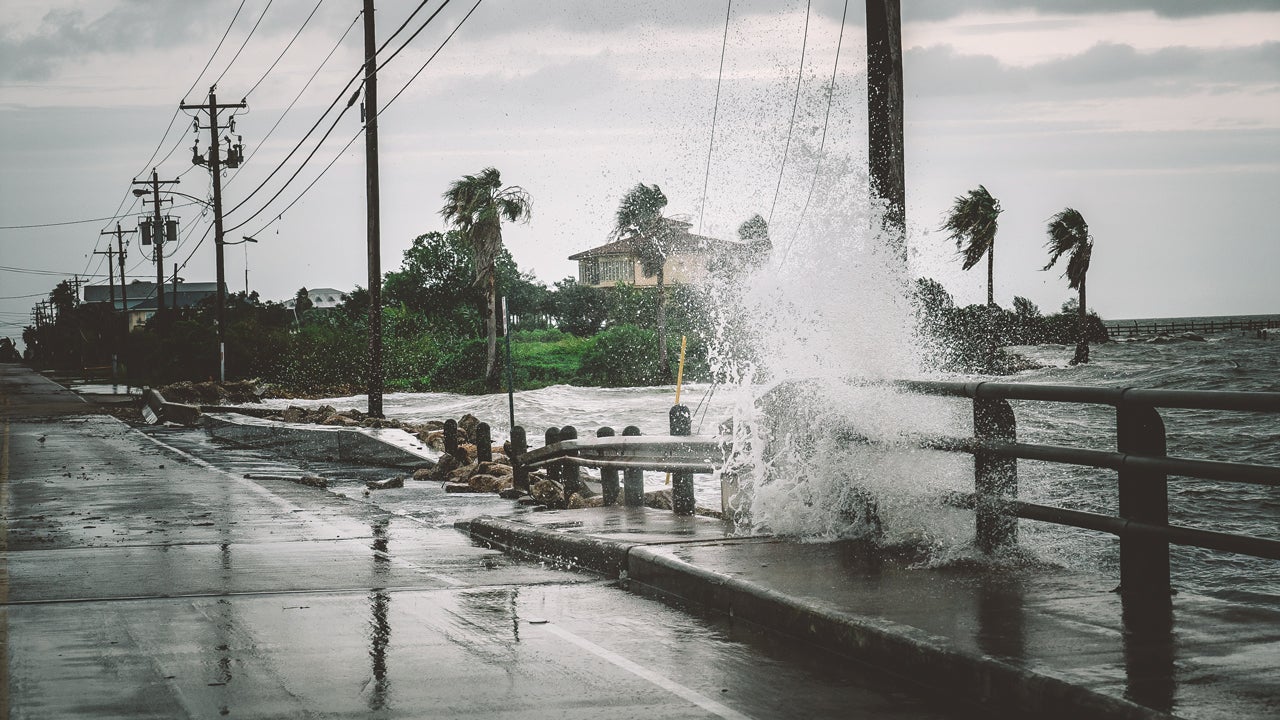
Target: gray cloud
[
  {"x": 1104, "y": 69},
  {"x": 943, "y": 9}
]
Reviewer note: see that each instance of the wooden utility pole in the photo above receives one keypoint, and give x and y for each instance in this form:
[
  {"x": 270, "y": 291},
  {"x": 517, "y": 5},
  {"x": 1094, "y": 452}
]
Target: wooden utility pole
[
  {"x": 156, "y": 232},
  {"x": 884, "y": 117},
  {"x": 371, "y": 198},
  {"x": 215, "y": 162},
  {"x": 111, "y": 275}
]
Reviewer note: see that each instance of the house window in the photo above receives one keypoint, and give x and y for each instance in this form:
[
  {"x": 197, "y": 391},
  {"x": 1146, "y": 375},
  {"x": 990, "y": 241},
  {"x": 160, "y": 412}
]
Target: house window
[
  {"x": 588, "y": 271},
  {"x": 616, "y": 269}
]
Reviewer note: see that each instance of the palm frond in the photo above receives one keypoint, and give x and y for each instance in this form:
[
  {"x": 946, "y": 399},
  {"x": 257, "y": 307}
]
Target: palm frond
[
  {"x": 1069, "y": 233},
  {"x": 972, "y": 224}
]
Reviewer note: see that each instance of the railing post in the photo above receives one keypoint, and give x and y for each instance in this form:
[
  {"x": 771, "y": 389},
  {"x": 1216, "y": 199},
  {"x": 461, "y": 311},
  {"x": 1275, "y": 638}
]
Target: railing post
[
  {"x": 608, "y": 476},
  {"x": 681, "y": 421},
  {"x": 1144, "y": 497},
  {"x": 632, "y": 480},
  {"x": 569, "y": 473},
  {"x": 995, "y": 478},
  {"x": 552, "y": 437},
  {"x": 451, "y": 438},
  {"x": 484, "y": 443},
  {"x": 519, "y": 445}
]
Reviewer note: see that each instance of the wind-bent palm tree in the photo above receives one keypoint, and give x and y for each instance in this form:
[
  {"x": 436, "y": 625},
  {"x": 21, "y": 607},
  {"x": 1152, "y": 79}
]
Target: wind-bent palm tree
[
  {"x": 476, "y": 205},
  {"x": 1068, "y": 232},
  {"x": 640, "y": 221},
  {"x": 972, "y": 223}
]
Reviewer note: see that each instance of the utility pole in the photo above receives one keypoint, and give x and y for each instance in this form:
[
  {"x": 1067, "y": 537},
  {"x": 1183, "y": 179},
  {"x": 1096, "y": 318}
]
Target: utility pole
[
  {"x": 111, "y": 274},
  {"x": 175, "y": 284},
  {"x": 885, "y": 147},
  {"x": 371, "y": 197},
  {"x": 154, "y": 230},
  {"x": 235, "y": 155}
]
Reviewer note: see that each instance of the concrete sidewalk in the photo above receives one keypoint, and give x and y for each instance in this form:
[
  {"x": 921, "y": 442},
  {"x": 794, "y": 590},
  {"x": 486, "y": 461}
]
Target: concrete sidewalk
[{"x": 1021, "y": 640}]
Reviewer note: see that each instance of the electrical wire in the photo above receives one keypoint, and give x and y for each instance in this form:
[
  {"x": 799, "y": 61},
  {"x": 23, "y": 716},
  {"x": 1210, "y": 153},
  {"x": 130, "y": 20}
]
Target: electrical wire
[
  {"x": 252, "y": 30},
  {"x": 60, "y": 224},
  {"x": 433, "y": 57},
  {"x": 415, "y": 34},
  {"x": 225, "y": 33},
  {"x": 357, "y": 135},
  {"x": 403, "y": 25},
  {"x": 285, "y": 50},
  {"x": 715, "y": 111},
  {"x": 795, "y": 104},
  {"x": 822, "y": 144},
  {"x": 333, "y": 126},
  {"x": 306, "y": 85}
]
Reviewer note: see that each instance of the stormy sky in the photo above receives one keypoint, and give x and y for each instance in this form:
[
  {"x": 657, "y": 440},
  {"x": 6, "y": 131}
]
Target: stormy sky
[{"x": 1159, "y": 121}]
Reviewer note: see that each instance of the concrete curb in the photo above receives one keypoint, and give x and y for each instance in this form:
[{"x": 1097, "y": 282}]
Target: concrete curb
[
  {"x": 995, "y": 686},
  {"x": 321, "y": 442},
  {"x": 607, "y": 557}
]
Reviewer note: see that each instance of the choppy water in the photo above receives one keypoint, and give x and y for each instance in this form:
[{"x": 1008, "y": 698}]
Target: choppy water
[{"x": 816, "y": 489}]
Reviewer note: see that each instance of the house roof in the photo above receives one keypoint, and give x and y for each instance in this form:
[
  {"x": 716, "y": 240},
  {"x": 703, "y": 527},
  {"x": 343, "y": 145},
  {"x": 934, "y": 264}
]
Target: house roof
[{"x": 682, "y": 242}]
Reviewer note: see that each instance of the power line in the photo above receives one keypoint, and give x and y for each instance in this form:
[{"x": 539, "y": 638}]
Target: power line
[
  {"x": 433, "y": 56},
  {"x": 415, "y": 34},
  {"x": 822, "y": 144},
  {"x": 403, "y": 25},
  {"x": 38, "y": 271},
  {"x": 299, "y": 95},
  {"x": 60, "y": 224},
  {"x": 796, "y": 103},
  {"x": 243, "y": 44},
  {"x": 286, "y": 48},
  {"x": 715, "y": 111},
  {"x": 350, "y": 102},
  {"x": 225, "y": 33},
  {"x": 357, "y": 135}
]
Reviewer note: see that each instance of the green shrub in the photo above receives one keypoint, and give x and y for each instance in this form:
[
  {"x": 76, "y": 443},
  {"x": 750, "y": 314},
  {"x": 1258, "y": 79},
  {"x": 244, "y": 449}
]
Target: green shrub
[{"x": 622, "y": 356}]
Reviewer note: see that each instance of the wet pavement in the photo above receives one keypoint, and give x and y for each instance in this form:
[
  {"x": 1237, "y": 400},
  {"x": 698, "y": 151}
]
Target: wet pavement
[
  {"x": 143, "y": 575},
  {"x": 1013, "y": 634}
]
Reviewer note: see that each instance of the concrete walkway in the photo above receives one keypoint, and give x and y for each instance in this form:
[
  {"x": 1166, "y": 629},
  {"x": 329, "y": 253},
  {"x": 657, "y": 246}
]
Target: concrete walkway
[{"x": 1020, "y": 640}]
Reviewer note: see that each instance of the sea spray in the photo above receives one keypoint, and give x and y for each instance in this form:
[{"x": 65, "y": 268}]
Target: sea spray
[{"x": 827, "y": 322}]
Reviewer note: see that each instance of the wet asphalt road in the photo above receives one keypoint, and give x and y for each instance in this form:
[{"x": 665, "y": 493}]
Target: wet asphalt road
[{"x": 142, "y": 575}]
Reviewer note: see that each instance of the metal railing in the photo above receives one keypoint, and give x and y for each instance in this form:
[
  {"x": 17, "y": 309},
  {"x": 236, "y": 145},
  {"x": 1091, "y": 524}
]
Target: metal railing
[{"x": 1140, "y": 460}]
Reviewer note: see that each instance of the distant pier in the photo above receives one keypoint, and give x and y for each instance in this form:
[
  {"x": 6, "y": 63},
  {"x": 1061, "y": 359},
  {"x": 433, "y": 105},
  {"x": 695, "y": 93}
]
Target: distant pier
[{"x": 1134, "y": 328}]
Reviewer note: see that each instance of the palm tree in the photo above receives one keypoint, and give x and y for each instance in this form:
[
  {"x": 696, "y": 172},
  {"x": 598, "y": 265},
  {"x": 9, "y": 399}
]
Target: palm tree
[
  {"x": 1068, "y": 232},
  {"x": 476, "y": 205},
  {"x": 973, "y": 220},
  {"x": 640, "y": 221}
]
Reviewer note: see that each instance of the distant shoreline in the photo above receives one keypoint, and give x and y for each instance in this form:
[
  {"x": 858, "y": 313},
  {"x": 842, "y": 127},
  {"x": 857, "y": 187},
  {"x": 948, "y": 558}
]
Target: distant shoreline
[{"x": 1190, "y": 318}]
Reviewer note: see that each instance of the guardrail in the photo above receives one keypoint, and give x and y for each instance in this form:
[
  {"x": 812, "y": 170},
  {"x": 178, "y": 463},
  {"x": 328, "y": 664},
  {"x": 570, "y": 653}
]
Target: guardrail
[{"x": 1143, "y": 468}]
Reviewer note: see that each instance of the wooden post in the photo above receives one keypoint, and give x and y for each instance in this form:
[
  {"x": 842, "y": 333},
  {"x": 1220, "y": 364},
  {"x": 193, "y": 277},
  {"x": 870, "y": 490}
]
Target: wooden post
[
  {"x": 608, "y": 476},
  {"x": 516, "y": 448},
  {"x": 681, "y": 421},
  {"x": 632, "y": 480},
  {"x": 885, "y": 146},
  {"x": 551, "y": 437},
  {"x": 571, "y": 474},
  {"x": 1144, "y": 497},
  {"x": 995, "y": 478},
  {"x": 484, "y": 443},
  {"x": 451, "y": 438}
]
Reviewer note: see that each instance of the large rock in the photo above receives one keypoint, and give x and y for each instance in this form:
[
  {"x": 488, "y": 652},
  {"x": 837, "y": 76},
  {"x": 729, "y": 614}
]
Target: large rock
[
  {"x": 495, "y": 468},
  {"x": 341, "y": 421},
  {"x": 547, "y": 492},
  {"x": 294, "y": 414},
  {"x": 388, "y": 484},
  {"x": 488, "y": 483},
  {"x": 467, "y": 428},
  {"x": 658, "y": 499}
]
